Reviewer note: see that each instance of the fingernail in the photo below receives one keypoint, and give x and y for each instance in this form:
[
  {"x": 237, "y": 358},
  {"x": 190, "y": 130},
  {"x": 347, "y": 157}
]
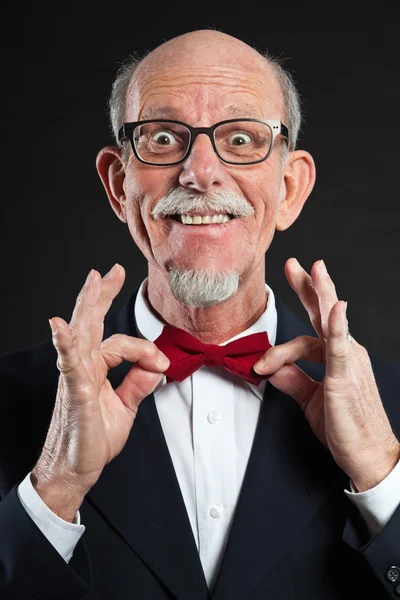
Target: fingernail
[
  {"x": 296, "y": 263},
  {"x": 90, "y": 275},
  {"x": 53, "y": 327},
  {"x": 344, "y": 316},
  {"x": 163, "y": 361},
  {"x": 321, "y": 265},
  {"x": 111, "y": 272},
  {"x": 259, "y": 366}
]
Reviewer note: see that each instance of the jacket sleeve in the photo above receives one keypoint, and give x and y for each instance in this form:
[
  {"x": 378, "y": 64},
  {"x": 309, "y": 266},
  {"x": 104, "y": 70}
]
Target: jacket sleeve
[
  {"x": 382, "y": 553},
  {"x": 30, "y": 567},
  {"x": 63, "y": 535}
]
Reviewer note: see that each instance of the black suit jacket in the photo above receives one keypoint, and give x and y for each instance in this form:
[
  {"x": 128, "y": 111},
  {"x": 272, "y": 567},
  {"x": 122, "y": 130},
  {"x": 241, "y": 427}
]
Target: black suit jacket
[{"x": 295, "y": 535}]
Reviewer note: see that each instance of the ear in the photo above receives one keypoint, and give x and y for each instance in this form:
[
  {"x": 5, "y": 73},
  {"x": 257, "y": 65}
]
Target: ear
[
  {"x": 298, "y": 181},
  {"x": 112, "y": 174}
]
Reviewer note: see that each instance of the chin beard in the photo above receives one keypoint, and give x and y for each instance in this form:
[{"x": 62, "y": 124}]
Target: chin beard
[{"x": 202, "y": 287}]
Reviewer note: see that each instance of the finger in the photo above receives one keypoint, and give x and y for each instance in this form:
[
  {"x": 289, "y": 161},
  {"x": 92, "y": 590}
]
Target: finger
[
  {"x": 110, "y": 286},
  {"x": 304, "y": 347},
  {"x": 294, "y": 382},
  {"x": 121, "y": 347},
  {"x": 304, "y": 287},
  {"x": 337, "y": 346},
  {"x": 69, "y": 361},
  {"x": 326, "y": 292},
  {"x": 136, "y": 385},
  {"x": 81, "y": 320}
]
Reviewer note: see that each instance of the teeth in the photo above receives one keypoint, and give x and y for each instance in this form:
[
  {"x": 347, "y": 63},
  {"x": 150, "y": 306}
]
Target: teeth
[{"x": 199, "y": 220}]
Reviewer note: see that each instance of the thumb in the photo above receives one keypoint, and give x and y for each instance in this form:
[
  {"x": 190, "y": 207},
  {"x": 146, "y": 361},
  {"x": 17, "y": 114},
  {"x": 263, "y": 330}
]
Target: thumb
[
  {"x": 294, "y": 382},
  {"x": 136, "y": 385}
]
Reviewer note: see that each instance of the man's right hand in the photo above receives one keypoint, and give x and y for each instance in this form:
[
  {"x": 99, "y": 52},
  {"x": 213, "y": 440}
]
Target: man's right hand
[{"x": 91, "y": 421}]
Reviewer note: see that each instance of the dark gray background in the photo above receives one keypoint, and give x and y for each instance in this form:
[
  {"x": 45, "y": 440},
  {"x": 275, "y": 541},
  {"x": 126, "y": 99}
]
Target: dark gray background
[{"x": 56, "y": 222}]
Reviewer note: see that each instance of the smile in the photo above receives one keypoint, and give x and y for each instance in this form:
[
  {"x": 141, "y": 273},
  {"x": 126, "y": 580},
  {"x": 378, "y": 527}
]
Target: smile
[
  {"x": 208, "y": 231},
  {"x": 196, "y": 219}
]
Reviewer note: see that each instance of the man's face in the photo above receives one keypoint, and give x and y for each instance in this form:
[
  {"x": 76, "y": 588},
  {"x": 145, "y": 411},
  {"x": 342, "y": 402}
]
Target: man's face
[{"x": 208, "y": 86}]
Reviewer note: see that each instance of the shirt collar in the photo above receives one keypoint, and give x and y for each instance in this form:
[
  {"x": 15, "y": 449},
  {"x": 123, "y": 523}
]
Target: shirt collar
[{"x": 150, "y": 327}]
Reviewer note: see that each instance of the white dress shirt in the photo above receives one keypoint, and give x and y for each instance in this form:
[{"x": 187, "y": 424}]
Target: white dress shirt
[{"x": 216, "y": 416}]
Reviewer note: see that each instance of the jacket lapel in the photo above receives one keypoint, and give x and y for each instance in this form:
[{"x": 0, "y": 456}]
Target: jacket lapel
[
  {"x": 280, "y": 492},
  {"x": 138, "y": 492}
]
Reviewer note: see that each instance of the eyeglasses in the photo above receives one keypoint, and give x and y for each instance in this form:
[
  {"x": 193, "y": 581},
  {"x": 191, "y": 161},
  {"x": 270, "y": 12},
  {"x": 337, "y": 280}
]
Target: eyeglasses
[{"x": 236, "y": 141}]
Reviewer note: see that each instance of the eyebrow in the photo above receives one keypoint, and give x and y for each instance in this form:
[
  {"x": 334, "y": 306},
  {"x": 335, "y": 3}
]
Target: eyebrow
[
  {"x": 163, "y": 112},
  {"x": 168, "y": 112},
  {"x": 245, "y": 111}
]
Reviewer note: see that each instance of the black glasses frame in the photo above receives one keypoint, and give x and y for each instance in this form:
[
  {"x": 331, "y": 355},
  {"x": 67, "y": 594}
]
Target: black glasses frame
[{"x": 127, "y": 129}]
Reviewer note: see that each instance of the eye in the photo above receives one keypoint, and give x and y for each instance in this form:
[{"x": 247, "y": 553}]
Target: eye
[
  {"x": 240, "y": 139},
  {"x": 164, "y": 138}
]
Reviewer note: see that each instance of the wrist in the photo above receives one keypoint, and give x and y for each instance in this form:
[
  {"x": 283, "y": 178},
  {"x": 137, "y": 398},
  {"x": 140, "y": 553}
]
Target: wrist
[
  {"x": 376, "y": 472},
  {"x": 61, "y": 497}
]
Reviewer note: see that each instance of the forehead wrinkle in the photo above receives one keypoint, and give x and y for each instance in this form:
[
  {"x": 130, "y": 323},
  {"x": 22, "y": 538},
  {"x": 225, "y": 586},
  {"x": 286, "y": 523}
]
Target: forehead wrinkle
[
  {"x": 181, "y": 108},
  {"x": 170, "y": 68},
  {"x": 144, "y": 77},
  {"x": 173, "y": 79},
  {"x": 174, "y": 83},
  {"x": 169, "y": 112}
]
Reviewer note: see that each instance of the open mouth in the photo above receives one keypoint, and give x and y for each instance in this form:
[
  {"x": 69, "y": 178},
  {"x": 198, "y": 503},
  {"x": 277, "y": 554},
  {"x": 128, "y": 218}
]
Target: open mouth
[{"x": 202, "y": 220}]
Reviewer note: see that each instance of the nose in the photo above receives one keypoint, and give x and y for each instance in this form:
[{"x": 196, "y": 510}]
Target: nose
[{"x": 202, "y": 169}]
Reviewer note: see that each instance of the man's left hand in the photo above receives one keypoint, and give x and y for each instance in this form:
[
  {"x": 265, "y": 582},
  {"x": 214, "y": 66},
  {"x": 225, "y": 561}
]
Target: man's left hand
[{"x": 344, "y": 410}]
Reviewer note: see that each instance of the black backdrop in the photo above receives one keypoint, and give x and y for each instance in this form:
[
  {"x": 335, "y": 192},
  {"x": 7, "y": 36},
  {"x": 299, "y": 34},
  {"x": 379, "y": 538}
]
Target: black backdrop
[{"x": 56, "y": 223}]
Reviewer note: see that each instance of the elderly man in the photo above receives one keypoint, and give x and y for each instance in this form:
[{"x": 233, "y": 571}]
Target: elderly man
[{"x": 201, "y": 441}]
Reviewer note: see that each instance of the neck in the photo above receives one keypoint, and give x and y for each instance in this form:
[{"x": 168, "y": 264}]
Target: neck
[{"x": 211, "y": 324}]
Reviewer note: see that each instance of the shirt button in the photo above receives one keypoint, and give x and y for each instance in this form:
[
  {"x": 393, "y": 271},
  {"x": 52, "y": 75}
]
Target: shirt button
[
  {"x": 216, "y": 511},
  {"x": 213, "y": 417},
  {"x": 392, "y": 574}
]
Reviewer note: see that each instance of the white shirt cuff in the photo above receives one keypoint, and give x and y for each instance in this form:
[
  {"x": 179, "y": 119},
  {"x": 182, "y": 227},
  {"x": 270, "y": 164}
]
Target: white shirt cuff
[
  {"x": 62, "y": 535},
  {"x": 378, "y": 504}
]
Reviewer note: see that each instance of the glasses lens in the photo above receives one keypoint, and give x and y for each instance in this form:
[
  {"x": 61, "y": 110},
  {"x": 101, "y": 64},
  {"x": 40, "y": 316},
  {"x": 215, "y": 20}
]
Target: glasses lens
[
  {"x": 161, "y": 142},
  {"x": 243, "y": 142}
]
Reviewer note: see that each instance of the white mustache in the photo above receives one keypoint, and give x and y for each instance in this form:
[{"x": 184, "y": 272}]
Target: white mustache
[{"x": 181, "y": 201}]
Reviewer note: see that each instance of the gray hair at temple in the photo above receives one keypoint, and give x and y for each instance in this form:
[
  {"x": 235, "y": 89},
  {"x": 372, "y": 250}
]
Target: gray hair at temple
[{"x": 290, "y": 93}]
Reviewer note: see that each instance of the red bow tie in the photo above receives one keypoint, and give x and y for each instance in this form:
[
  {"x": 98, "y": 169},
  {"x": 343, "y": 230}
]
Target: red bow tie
[{"x": 187, "y": 354}]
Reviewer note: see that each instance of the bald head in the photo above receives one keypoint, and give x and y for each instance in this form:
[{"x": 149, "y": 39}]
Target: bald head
[
  {"x": 206, "y": 47},
  {"x": 201, "y": 56},
  {"x": 210, "y": 56}
]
